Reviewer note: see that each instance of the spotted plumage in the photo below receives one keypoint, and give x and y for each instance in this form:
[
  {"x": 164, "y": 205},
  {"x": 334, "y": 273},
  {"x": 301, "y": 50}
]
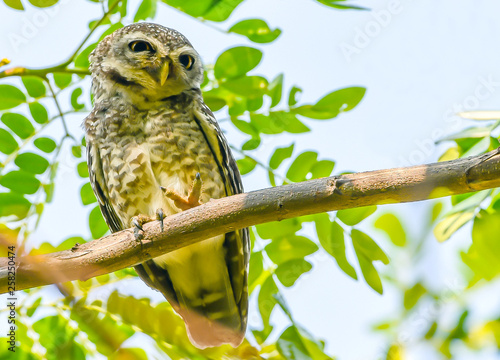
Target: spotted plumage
[{"x": 149, "y": 134}]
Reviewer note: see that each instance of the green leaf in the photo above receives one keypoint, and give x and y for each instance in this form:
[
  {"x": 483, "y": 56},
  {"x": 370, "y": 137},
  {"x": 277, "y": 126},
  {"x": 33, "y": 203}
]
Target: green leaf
[
  {"x": 296, "y": 343},
  {"x": 15, "y": 4},
  {"x": 288, "y": 122},
  {"x": 472, "y": 132},
  {"x": 34, "y": 85},
  {"x": 32, "y": 163},
  {"x": 213, "y": 10},
  {"x": 45, "y": 144},
  {"x": 289, "y": 271},
  {"x": 301, "y": 166},
  {"x": 58, "y": 338},
  {"x": 256, "y": 268},
  {"x": 82, "y": 60},
  {"x": 236, "y": 62},
  {"x": 279, "y": 155},
  {"x": 87, "y": 194},
  {"x": 368, "y": 247},
  {"x": 263, "y": 124},
  {"x": 333, "y": 104},
  {"x": 20, "y": 181},
  {"x": 43, "y": 3},
  {"x": 104, "y": 332},
  {"x": 33, "y": 307},
  {"x": 112, "y": 28},
  {"x": 10, "y": 97},
  {"x": 214, "y": 103},
  {"x": 147, "y": 10},
  {"x": 292, "y": 96},
  {"x": 275, "y": 90},
  {"x": 74, "y": 99},
  {"x": 436, "y": 211},
  {"x": 266, "y": 302},
  {"x": 151, "y": 320},
  {"x": 331, "y": 238},
  {"x": 483, "y": 256},
  {"x": 339, "y": 4},
  {"x": 480, "y": 147},
  {"x": 368, "y": 251},
  {"x": 469, "y": 202},
  {"x": 97, "y": 224},
  {"x": 289, "y": 248},
  {"x": 247, "y": 86},
  {"x": 413, "y": 294},
  {"x": 322, "y": 168},
  {"x": 450, "y": 224},
  {"x": 255, "y": 30},
  {"x": 277, "y": 229},
  {"x": 129, "y": 353},
  {"x": 14, "y": 204},
  {"x": 7, "y": 142},
  {"x": 390, "y": 224},
  {"x": 354, "y": 216},
  {"x": 246, "y": 165},
  {"x": 76, "y": 151},
  {"x": 38, "y": 112},
  {"x": 245, "y": 127},
  {"x": 82, "y": 169},
  {"x": 251, "y": 144},
  {"x": 62, "y": 80},
  {"x": 19, "y": 124}
]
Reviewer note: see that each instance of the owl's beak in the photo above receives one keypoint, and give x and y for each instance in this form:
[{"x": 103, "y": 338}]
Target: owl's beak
[{"x": 164, "y": 71}]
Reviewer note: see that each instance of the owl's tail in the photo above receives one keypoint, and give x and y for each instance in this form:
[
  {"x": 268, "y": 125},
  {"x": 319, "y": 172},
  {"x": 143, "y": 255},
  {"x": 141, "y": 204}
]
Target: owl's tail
[
  {"x": 204, "y": 331},
  {"x": 208, "y": 307},
  {"x": 196, "y": 282}
]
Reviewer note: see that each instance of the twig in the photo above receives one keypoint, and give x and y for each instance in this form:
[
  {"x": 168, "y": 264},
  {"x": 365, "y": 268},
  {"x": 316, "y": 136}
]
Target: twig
[
  {"x": 63, "y": 68},
  {"x": 59, "y": 109}
]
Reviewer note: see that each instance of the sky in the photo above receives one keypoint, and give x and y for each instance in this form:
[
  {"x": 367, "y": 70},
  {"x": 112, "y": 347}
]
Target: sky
[{"x": 421, "y": 62}]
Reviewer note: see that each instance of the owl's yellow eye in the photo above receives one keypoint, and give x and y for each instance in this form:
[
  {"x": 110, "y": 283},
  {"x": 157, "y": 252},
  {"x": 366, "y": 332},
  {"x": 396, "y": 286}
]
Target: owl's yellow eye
[
  {"x": 140, "y": 46},
  {"x": 187, "y": 61}
]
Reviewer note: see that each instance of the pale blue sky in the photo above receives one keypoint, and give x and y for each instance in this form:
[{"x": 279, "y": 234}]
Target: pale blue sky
[{"x": 420, "y": 61}]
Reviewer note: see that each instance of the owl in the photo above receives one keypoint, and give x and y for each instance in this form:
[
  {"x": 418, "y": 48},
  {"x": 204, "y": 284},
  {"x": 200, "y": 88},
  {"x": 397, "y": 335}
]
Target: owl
[{"x": 155, "y": 149}]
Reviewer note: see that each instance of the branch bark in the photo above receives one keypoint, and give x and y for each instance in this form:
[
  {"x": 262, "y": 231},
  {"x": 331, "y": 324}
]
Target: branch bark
[{"x": 121, "y": 250}]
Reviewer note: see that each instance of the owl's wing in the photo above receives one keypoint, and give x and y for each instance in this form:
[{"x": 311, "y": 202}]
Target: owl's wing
[
  {"x": 98, "y": 183},
  {"x": 237, "y": 243}
]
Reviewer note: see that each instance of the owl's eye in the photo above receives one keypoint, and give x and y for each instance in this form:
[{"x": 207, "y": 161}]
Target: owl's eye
[
  {"x": 187, "y": 61},
  {"x": 140, "y": 46}
]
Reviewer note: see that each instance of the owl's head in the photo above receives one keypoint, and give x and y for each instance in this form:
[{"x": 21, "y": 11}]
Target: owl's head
[{"x": 148, "y": 60}]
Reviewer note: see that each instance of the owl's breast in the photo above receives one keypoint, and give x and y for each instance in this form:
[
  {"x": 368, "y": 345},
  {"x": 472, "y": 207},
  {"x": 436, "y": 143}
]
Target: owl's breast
[{"x": 167, "y": 150}]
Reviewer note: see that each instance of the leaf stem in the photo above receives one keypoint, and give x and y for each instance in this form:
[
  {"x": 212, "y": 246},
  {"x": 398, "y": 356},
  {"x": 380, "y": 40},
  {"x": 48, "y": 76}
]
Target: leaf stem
[{"x": 61, "y": 114}]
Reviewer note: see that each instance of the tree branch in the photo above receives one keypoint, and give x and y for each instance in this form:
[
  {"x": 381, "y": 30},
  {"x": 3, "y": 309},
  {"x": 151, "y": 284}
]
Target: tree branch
[{"x": 121, "y": 250}]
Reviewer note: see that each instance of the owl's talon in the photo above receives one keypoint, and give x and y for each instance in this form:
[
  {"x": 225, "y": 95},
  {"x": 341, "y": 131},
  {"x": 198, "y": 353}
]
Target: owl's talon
[
  {"x": 138, "y": 234},
  {"x": 160, "y": 216},
  {"x": 137, "y": 222},
  {"x": 193, "y": 198}
]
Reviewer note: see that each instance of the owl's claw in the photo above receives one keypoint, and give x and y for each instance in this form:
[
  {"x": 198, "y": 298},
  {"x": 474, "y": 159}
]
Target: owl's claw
[
  {"x": 137, "y": 222},
  {"x": 193, "y": 198},
  {"x": 160, "y": 216}
]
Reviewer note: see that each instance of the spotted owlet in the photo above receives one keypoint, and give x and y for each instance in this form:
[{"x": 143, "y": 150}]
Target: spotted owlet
[{"x": 155, "y": 148}]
